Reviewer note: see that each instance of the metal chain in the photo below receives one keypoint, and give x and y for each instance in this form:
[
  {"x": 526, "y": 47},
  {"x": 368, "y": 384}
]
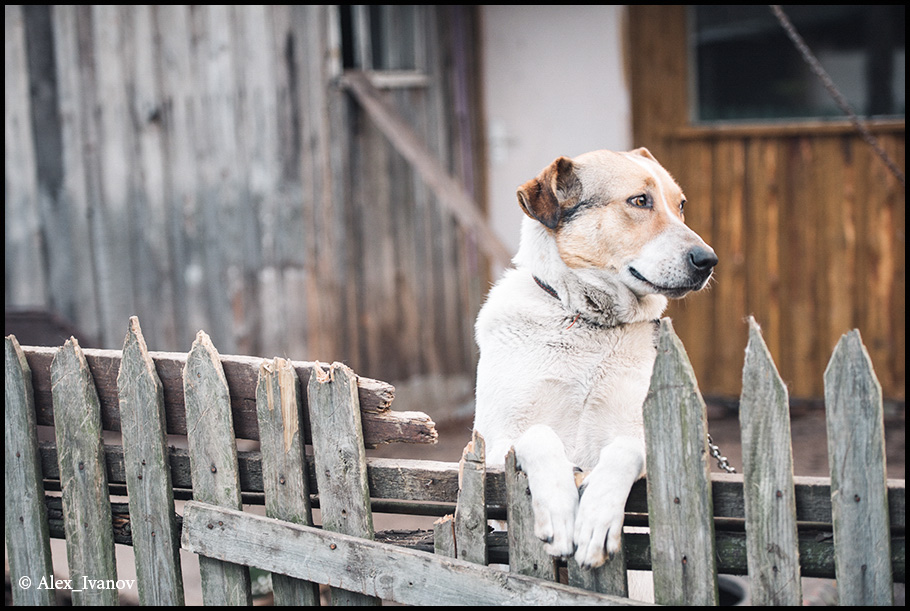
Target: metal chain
[
  {"x": 722, "y": 461},
  {"x": 838, "y": 97}
]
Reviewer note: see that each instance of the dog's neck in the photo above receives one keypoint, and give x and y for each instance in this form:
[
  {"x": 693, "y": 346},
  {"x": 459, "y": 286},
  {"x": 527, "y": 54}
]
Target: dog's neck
[{"x": 593, "y": 296}]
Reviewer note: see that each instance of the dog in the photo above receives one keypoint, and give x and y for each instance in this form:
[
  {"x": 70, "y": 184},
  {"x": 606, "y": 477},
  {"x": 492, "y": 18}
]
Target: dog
[{"x": 567, "y": 338}]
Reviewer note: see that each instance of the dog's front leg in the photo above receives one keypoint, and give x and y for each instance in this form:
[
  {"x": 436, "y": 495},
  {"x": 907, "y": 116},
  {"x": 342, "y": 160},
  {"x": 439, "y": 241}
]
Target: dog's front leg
[
  {"x": 551, "y": 477},
  {"x": 598, "y": 525}
]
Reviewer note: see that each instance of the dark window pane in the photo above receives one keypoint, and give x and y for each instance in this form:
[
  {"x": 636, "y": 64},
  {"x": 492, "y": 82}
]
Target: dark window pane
[{"x": 746, "y": 68}]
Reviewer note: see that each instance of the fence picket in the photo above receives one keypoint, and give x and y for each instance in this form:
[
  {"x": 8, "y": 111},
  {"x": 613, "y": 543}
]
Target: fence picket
[
  {"x": 444, "y": 536},
  {"x": 341, "y": 470},
  {"x": 27, "y": 539},
  {"x": 527, "y": 555},
  {"x": 609, "y": 578},
  {"x": 471, "y": 510},
  {"x": 80, "y": 454},
  {"x": 213, "y": 463},
  {"x": 769, "y": 495},
  {"x": 679, "y": 483},
  {"x": 284, "y": 469},
  {"x": 683, "y": 551},
  {"x": 156, "y": 541},
  {"x": 856, "y": 455}
]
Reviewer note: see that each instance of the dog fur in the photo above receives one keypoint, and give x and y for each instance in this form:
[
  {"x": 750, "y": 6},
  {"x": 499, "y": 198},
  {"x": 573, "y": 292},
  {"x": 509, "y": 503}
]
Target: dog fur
[{"x": 567, "y": 338}]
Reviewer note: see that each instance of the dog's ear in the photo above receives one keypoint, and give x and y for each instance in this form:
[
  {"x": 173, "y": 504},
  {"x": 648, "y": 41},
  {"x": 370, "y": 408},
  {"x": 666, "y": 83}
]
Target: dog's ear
[
  {"x": 644, "y": 153},
  {"x": 557, "y": 188}
]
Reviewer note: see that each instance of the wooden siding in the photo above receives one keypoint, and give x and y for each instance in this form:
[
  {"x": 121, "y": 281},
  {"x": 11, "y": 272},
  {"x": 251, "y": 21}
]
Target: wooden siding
[
  {"x": 806, "y": 220},
  {"x": 200, "y": 167}
]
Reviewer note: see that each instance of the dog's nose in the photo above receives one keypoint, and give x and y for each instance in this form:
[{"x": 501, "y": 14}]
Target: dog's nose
[{"x": 702, "y": 259}]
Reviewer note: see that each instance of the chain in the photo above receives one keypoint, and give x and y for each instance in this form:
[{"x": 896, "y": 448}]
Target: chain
[
  {"x": 722, "y": 461},
  {"x": 838, "y": 97}
]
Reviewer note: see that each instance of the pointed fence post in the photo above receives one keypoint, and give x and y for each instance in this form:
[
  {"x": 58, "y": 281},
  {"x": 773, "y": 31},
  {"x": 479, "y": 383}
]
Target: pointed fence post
[
  {"x": 83, "y": 477},
  {"x": 213, "y": 463},
  {"x": 859, "y": 490},
  {"x": 153, "y": 524},
  {"x": 772, "y": 542},
  {"x": 27, "y": 538},
  {"x": 679, "y": 484}
]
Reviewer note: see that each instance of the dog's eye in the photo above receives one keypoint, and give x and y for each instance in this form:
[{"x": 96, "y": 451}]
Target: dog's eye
[
  {"x": 640, "y": 201},
  {"x": 682, "y": 206}
]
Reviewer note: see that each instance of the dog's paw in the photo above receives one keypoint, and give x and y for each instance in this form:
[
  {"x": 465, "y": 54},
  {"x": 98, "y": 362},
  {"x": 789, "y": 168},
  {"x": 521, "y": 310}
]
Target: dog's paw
[
  {"x": 598, "y": 525},
  {"x": 555, "y": 503},
  {"x": 554, "y": 497}
]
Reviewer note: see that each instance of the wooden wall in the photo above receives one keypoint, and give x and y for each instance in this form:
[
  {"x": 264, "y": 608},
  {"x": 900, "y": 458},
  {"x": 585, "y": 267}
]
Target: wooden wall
[
  {"x": 807, "y": 222},
  {"x": 199, "y": 167}
]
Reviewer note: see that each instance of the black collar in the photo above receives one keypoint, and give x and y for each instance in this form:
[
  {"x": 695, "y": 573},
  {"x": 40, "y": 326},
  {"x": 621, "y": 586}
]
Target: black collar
[{"x": 549, "y": 290}]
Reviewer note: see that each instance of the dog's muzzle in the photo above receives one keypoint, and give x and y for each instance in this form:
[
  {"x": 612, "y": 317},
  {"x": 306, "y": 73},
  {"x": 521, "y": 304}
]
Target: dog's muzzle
[{"x": 689, "y": 274}]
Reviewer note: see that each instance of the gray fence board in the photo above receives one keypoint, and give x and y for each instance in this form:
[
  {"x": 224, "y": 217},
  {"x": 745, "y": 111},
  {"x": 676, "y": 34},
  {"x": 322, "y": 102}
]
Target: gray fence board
[
  {"x": 856, "y": 452},
  {"x": 471, "y": 511},
  {"x": 156, "y": 542},
  {"x": 527, "y": 555},
  {"x": 377, "y": 569},
  {"x": 27, "y": 543},
  {"x": 284, "y": 473},
  {"x": 679, "y": 489},
  {"x": 380, "y": 424},
  {"x": 341, "y": 469},
  {"x": 80, "y": 453},
  {"x": 769, "y": 495},
  {"x": 213, "y": 462}
]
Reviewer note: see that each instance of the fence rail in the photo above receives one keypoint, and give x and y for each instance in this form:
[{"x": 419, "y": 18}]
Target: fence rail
[{"x": 850, "y": 527}]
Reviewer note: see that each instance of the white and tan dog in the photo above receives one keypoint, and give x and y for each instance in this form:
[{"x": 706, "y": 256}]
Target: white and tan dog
[{"x": 567, "y": 338}]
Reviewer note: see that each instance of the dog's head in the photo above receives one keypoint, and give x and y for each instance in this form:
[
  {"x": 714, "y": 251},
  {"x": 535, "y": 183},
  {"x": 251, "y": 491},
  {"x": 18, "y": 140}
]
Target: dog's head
[{"x": 622, "y": 214}]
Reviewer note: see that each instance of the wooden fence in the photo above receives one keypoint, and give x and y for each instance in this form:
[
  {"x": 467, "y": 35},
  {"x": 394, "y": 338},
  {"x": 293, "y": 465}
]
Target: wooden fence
[{"x": 850, "y": 527}]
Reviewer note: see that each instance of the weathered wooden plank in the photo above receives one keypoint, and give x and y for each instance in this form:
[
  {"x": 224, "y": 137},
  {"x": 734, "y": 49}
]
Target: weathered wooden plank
[
  {"x": 213, "y": 462},
  {"x": 341, "y": 469},
  {"x": 156, "y": 542},
  {"x": 284, "y": 465},
  {"x": 471, "y": 511},
  {"x": 435, "y": 485},
  {"x": 679, "y": 491},
  {"x": 856, "y": 453},
  {"x": 450, "y": 192},
  {"x": 375, "y": 569},
  {"x": 27, "y": 543},
  {"x": 527, "y": 555},
  {"x": 816, "y": 543},
  {"x": 770, "y": 498},
  {"x": 609, "y": 578},
  {"x": 380, "y": 423},
  {"x": 24, "y": 263},
  {"x": 86, "y": 505},
  {"x": 444, "y": 536}
]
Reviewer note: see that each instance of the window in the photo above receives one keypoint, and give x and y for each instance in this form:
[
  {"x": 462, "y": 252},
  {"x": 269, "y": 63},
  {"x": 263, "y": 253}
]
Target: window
[
  {"x": 747, "y": 69},
  {"x": 379, "y": 37}
]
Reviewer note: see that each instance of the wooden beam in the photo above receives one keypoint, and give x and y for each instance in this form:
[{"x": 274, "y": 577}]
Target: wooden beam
[
  {"x": 373, "y": 568},
  {"x": 380, "y": 423},
  {"x": 450, "y": 192}
]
